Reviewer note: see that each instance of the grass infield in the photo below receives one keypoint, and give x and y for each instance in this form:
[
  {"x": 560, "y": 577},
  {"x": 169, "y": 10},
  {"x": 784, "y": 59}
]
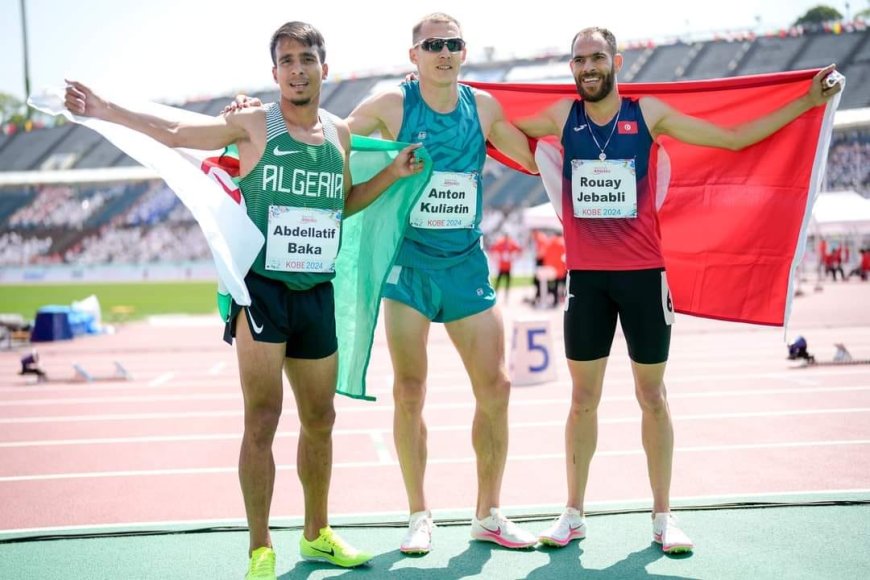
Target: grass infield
[{"x": 143, "y": 299}]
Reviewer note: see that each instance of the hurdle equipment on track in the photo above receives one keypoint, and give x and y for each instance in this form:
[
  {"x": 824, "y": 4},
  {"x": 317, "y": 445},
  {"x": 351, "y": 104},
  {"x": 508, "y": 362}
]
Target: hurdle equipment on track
[{"x": 82, "y": 375}]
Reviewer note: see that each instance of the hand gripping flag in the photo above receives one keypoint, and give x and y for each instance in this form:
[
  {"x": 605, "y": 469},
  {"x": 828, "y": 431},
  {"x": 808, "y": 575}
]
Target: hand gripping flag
[
  {"x": 233, "y": 239},
  {"x": 733, "y": 224},
  {"x": 206, "y": 183},
  {"x": 369, "y": 243}
]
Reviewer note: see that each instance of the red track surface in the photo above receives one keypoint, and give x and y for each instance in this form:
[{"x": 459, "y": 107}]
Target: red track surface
[{"x": 164, "y": 446}]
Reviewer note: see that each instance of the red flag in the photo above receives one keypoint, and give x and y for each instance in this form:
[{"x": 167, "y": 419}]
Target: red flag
[{"x": 733, "y": 224}]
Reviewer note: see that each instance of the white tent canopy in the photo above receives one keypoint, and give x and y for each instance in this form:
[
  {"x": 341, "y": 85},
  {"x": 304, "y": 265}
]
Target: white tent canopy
[
  {"x": 839, "y": 213},
  {"x": 541, "y": 217}
]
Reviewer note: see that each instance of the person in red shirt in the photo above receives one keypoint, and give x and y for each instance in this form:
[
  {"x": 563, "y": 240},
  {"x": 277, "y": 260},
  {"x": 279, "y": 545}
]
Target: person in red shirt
[
  {"x": 554, "y": 257},
  {"x": 505, "y": 250},
  {"x": 541, "y": 240},
  {"x": 865, "y": 263},
  {"x": 862, "y": 268}
]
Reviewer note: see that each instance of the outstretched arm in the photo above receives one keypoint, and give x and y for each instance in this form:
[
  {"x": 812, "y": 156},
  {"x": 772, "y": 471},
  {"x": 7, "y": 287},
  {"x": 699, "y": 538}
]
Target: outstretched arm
[
  {"x": 503, "y": 134},
  {"x": 212, "y": 133},
  {"x": 664, "y": 120}
]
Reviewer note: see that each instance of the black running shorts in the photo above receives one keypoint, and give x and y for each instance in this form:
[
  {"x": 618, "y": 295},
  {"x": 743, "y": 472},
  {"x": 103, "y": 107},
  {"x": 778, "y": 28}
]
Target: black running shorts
[
  {"x": 304, "y": 320},
  {"x": 640, "y": 299}
]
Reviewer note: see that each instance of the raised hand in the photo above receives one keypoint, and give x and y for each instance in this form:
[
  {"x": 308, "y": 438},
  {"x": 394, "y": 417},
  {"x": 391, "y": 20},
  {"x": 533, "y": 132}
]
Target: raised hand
[
  {"x": 821, "y": 92},
  {"x": 81, "y": 100},
  {"x": 241, "y": 102},
  {"x": 406, "y": 162}
]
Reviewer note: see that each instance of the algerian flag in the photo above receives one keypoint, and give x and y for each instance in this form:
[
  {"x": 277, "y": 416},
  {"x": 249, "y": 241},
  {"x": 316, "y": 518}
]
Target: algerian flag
[{"x": 370, "y": 238}]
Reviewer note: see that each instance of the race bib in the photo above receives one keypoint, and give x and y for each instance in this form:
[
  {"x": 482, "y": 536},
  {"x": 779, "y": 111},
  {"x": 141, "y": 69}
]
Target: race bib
[
  {"x": 302, "y": 239},
  {"x": 448, "y": 202},
  {"x": 604, "y": 189}
]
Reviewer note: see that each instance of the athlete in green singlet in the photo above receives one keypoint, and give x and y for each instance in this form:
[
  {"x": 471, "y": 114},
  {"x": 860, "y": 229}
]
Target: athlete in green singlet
[{"x": 297, "y": 188}]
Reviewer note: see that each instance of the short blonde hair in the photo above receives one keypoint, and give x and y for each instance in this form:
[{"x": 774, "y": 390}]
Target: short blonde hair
[{"x": 437, "y": 17}]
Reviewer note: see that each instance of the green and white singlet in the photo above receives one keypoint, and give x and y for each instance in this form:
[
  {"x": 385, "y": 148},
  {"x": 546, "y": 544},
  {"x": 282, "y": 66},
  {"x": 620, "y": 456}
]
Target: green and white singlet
[{"x": 295, "y": 196}]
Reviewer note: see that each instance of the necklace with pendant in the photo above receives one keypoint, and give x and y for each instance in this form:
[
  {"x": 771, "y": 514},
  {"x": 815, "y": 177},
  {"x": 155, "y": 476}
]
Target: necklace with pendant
[{"x": 602, "y": 156}]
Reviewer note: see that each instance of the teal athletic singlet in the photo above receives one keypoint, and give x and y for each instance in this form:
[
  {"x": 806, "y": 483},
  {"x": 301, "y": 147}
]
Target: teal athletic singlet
[
  {"x": 445, "y": 224},
  {"x": 295, "y": 196},
  {"x": 441, "y": 270}
]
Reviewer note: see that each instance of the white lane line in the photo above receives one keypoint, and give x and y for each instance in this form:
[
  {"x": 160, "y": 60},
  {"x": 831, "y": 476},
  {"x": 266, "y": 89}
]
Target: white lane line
[
  {"x": 383, "y": 432},
  {"x": 604, "y": 420},
  {"x": 157, "y": 398},
  {"x": 122, "y": 399},
  {"x": 122, "y": 417},
  {"x": 355, "y": 410},
  {"x": 381, "y": 448},
  {"x": 162, "y": 379},
  {"x": 200, "y": 382},
  {"x": 795, "y": 376},
  {"x": 432, "y": 461},
  {"x": 131, "y": 440},
  {"x": 455, "y": 512}
]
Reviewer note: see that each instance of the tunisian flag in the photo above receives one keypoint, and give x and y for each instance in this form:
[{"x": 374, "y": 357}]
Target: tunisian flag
[{"x": 733, "y": 224}]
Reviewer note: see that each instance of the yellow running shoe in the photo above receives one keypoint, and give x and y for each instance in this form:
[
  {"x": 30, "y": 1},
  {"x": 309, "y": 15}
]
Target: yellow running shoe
[
  {"x": 262, "y": 566},
  {"x": 329, "y": 547}
]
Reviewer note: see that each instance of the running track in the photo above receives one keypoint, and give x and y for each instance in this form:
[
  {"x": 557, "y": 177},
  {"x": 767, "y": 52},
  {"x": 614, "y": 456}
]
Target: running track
[{"x": 163, "y": 447}]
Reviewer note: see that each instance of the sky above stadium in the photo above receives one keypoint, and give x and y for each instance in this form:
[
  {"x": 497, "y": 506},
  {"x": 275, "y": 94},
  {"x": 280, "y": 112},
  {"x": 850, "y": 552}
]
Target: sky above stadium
[{"x": 175, "y": 50}]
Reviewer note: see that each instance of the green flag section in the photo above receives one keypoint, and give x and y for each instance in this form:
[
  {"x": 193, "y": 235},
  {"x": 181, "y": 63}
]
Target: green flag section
[{"x": 370, "y": 242}]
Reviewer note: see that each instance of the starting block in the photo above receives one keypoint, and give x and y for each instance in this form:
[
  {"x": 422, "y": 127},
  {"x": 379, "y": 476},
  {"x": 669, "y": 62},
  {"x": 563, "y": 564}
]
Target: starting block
[
  {"x": 531, "y": 357},
  {"x": 83, "y": 376},
  {"x": 842, "y": 355}
]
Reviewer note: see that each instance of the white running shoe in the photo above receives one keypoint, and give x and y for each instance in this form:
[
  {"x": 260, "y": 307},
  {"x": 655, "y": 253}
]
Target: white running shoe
[
  {"x": 571, "y": 525},
  {"x": 497, "y": 528},
  {"x": 667, "y": 533},
  {"x": 418, "y": 540}
]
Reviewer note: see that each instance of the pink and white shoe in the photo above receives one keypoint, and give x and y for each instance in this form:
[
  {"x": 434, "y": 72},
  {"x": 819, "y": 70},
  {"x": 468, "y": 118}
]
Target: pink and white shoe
[
  {"x": 571, "y": 525},
  {"x": 667, "y": 533},
  {"x": 418, "y": 539},
  {"x": 498, "y": 529}
]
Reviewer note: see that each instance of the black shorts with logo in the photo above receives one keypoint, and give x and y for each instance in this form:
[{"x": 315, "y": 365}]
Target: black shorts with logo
[
  {"x": 640, "y": 299},
  {"x": 304, "y": 320}
]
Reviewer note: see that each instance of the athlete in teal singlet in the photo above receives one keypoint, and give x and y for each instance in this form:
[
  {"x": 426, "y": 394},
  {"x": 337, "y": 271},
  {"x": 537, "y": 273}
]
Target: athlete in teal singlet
[
  {"x": 441, "y": 274},
  {"x": 297, "y": 187}
]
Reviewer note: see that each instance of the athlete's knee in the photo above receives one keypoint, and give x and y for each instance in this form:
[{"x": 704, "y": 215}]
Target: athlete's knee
[
  {"x": 317, "y": 419},
  {"x": 409, "y": 394},
  {"x": 652, "y": 397},
  {"x": 261, "y": 423},
  {"x": 494, "y": 395},
  {"x": 585, "y": 399}
]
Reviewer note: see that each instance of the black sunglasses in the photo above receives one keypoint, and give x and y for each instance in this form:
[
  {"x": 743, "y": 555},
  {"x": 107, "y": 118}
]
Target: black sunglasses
[{"x": 437, "y": 44}]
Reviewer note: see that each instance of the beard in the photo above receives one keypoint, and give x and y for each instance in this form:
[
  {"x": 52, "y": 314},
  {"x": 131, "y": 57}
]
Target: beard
[
  {"x": 301, "y": 102},
  {"x": 605, "y": 89}
]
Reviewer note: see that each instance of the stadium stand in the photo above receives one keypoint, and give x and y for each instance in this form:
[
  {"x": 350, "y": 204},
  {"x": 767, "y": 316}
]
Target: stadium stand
[
  {"x": 27, "y": 150},
  {"x": 666, "y": 63},
  {"x": 104, "y": 154},
  {"x": 142, "y": 221},
  {"x": 718, "y": 58},
  {"x": 771, "y": 54},
  {"x": 345, "y": 96}
]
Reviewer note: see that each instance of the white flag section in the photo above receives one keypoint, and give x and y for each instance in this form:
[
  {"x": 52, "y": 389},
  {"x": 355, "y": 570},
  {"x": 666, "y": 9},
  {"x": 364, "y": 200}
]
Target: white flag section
[{"x": 233, "y": 239}]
